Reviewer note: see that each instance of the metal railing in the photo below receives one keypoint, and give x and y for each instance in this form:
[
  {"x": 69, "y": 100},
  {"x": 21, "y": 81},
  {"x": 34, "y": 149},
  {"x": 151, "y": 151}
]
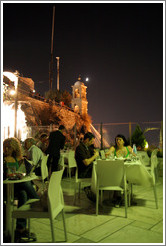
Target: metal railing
[{"x": 152, "y": 132}]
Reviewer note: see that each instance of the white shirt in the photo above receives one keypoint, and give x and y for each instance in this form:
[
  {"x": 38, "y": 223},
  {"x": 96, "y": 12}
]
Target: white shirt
[{"x": 35, "y": 155}]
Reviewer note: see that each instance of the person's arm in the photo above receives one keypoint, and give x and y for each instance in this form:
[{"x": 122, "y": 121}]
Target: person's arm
[
  {"x": 110, "y": 151},
  {"x": 130, "y": 149},
  {"x": 36, "y": 156},
  {"x": 88, "y": 161}
]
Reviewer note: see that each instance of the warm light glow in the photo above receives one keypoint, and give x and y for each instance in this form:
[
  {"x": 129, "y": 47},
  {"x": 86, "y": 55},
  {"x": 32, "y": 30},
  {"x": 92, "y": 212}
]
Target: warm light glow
[
  {"x": 34, "y": 91},
  {"x": 12, "y": 92},
  {"x": 12, "y": 77},
  {"x": 87, "y": 79},
  {"x": 8, "y": 116},
  {"x": 146, "y": 145}
]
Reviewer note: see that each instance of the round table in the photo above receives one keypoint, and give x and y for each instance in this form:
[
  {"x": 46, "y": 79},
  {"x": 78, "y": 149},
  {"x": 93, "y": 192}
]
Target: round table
[{"x": 10, "y": 198}]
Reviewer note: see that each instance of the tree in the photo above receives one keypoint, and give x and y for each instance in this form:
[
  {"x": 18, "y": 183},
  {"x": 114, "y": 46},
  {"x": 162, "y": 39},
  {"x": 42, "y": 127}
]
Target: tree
[
  {"x": 53, "y": 95},
  {"x": 66, "y": 98},
  {"x": 87, "y": 121},
  {"x": 138, "y": 137}
]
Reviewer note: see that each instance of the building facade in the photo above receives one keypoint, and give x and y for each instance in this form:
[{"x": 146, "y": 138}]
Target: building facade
[{"x": 79, "y": 101}]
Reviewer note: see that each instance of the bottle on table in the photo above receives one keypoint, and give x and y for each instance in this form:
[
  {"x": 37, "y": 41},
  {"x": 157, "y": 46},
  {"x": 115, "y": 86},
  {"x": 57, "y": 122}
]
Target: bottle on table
[{"x": 135, "y": 150}]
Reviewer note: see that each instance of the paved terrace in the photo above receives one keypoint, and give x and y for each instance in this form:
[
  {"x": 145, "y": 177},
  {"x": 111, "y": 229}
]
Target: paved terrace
[{"x": 143, "y": 225}]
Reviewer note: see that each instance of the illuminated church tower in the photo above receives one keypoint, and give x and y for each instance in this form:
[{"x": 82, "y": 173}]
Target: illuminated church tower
[{"x": 79, "y": 101}]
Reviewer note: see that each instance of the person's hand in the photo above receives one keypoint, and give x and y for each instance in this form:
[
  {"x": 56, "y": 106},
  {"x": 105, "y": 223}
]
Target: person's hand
[
  {"x": 107, "y": 154},
  {"x": 96, "y": 153}
]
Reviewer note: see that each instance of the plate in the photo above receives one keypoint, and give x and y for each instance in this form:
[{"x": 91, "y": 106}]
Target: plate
[
  {"x": 15, "y": 176},
  {"x": 120, "y": 159}
]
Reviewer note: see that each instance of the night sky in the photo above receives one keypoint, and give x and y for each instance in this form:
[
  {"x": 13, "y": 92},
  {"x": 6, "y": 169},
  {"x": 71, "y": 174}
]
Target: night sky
[{"x": 119, "y": 46}]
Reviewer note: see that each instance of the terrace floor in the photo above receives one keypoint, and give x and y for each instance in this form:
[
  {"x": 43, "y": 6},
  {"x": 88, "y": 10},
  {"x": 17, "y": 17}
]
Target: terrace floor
[{"x": 144, "y": 223}]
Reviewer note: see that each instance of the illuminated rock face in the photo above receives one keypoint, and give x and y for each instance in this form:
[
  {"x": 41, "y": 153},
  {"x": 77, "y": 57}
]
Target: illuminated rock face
[
  {"x": 79, "y": 101},
  {"x": 39, "y": 113},
  {"x": 26, "y": 84}
]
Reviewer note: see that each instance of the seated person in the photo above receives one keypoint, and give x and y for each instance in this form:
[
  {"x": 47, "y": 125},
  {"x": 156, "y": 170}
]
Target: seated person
[
  {"x": 84, "y": 157},
  {"x": 92, "y": 149},
  {"x": 23, "y": 191},
  {"x": 120, "y": 149},
  {"x": 34, "y": 154},
  {"x": 43, "y": 142}
]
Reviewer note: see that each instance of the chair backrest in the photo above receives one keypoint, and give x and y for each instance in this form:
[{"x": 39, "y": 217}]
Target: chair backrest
[
  {"x": 154, "y": 160},
  {"x": 61, "y": 160},
  {"x": 71, "y": 159},
  {"x": 44, "y": 168},
  {"x": 55, "y": 195},
  {"x": 110, "y": 173},
  {"x": 143, "y": 155},
  {"x": 102, "y": 154}
]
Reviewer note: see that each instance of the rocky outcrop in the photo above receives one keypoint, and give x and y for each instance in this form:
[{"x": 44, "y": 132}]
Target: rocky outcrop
[{"x": 40, "y": 113}]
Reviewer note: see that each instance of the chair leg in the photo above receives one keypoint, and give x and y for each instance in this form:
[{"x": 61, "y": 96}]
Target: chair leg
[
  {"x": 12, "y": 239},
  {"x": 156, "y": 173},
  {"x": 52, "y": 230},
  {"x": 129, "y": 193},
  {"x": 75, "y": 189},
  {"x": 101, "y": 198},
  {"x": 97, "y": 201},
  {"x": 29, "y": 226},
  {"x": 129, "y": 199},
  {"x": 125, "y": 194},
  {"x": 79, "y": 185},
  {"x": 155, "y": 196},
  {"x": 64, "y": 225},
  {"x": 69, "y": 172}
]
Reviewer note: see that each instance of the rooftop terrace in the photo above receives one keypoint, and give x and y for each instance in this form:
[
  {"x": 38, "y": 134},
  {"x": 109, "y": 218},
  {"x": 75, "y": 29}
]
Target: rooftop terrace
[{"x": 143, "y": 225}]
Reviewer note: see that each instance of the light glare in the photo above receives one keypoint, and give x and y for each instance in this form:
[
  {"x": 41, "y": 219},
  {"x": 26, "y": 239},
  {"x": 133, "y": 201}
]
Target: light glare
[{"x": 12, "y": 92}]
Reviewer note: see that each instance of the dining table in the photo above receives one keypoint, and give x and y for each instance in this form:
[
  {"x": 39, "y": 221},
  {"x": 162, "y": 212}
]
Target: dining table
[
  {"x": 10, "y": 197},
  {"x": 136, "y": 173}
]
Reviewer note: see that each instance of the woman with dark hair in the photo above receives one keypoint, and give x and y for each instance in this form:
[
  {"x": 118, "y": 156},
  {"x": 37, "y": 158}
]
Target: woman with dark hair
[{"x": 120, "y": 150}]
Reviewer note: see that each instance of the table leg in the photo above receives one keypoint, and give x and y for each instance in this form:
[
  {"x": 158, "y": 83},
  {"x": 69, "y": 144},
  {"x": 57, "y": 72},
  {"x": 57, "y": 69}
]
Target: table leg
[
  {"x": 9, "y": 204},
  {"x": 132, "y": 202}
]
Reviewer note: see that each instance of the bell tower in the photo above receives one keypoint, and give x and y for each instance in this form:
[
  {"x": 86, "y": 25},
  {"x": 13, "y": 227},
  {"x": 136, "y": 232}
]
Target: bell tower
[{"x": 79, "y": 101}]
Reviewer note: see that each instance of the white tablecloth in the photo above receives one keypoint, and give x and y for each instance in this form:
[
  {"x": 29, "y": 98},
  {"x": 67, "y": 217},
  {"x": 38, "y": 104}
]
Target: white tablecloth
[
  {"x": 64, "y": 155},
  {"x": 136, "y": 173}
]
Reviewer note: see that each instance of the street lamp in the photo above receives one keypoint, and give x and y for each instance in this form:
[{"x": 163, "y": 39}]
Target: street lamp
[
  {"x": 57, "y": 73},
  {"x": 14, "y": 77},
  {"x": 16, "y": 103}
]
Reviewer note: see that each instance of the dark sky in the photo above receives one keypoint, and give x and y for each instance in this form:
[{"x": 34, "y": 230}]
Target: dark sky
[{"x": 119, "y": 46}]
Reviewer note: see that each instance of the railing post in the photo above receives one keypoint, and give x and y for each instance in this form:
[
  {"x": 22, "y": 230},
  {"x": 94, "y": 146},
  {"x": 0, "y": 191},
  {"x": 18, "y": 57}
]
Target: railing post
[
  {"x": 101, "y": 133},
  {"x": 51, "y": 127},
  {"x": 161, "y": 136},
  {"x": 130, "y": 132},
  {"x": 75, "y": 134},
  {"x": 8, "y": 131}
]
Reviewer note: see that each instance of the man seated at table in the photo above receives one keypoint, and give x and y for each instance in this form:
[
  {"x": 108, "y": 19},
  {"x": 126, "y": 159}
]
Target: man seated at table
[
  {"x": 84, "y": 157},
  {"x": 34, "y": 154},
  {"x": 43, "y": 142}
]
